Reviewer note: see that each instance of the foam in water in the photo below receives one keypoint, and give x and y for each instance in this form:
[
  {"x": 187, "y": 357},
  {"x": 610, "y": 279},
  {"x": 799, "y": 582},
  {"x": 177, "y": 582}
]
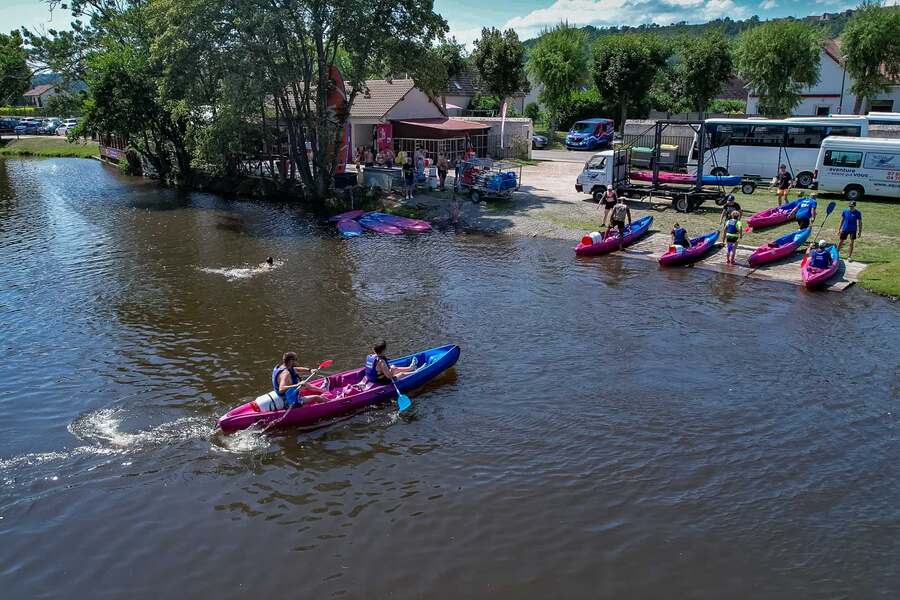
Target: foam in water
[{"x": 236, "y": 273}]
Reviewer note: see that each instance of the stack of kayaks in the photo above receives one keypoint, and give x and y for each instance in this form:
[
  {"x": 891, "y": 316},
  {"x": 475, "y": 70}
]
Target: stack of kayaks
[
  {"x": 779, "y": 248},
  {"x": 677, "y": 255},
  {"x": 351, "y": 223},
  {"x": 813, "y": 277},
  {"x": 347, "y": 391},
  {"x": 610, "y": 242},
  {"x": 685, "y": 179},
  {"x": 773, "y": 216}
]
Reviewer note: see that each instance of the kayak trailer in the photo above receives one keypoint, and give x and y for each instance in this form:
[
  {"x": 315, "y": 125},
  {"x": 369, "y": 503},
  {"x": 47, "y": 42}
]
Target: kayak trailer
[{"x": 485, "y": 178}]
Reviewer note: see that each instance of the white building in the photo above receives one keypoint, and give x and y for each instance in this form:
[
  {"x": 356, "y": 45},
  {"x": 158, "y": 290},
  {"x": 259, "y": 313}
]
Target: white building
[
  {"x": 38, "y": 95},
  {"x": 832, "y": 94}
]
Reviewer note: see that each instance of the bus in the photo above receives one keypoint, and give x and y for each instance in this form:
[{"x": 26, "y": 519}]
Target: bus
[
  {"x": 856, "y": 167},
  {"x": 883, "y": 118},
  {"x": 754, "y": 148}
]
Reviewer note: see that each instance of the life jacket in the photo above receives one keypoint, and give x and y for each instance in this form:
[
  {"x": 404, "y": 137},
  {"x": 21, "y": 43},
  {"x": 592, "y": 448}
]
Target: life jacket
[
  {"x": 371, "y": 368},
  {"x": 731, "y": 227},
  {"x": 821, "y": 259},
  {"x": 679, "y": 234},
  {"x": 276, "y": 375}
]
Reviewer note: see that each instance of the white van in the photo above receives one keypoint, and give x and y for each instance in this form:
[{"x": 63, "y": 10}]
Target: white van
[
  {"x": 608, "y": 168},
  {"x": 859, "y": 166}
]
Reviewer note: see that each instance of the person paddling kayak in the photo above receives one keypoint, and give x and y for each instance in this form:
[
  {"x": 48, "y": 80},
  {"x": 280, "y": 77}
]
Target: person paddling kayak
[
  {"x": 619, "y": 213},
  {"x": 680, "y": 236},
  {"x": 819, "y": 258},
  {"x": 287, "y": 384},
  {"x": 379, "y": 371},
  {"x": 733, "y": 232}
]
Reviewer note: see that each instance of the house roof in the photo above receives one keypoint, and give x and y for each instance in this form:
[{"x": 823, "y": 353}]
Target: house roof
[
  {"x": 39, "y": 90},
  {"x": 380, "y": 97},
  {"x": 466, "y": 84},
  {"x": 832, "y": 49},
  {"x": 734, "y": 89},
  {"x": 445, "y": 124}
]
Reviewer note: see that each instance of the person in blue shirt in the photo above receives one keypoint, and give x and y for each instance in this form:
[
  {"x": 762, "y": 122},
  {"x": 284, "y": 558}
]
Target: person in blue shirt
[
  {"x": 680, "y": 236},
  {"x": 851, "y": 227},
  {"x": 805, "y": 211},
  {"x": 820, "y": 258}
]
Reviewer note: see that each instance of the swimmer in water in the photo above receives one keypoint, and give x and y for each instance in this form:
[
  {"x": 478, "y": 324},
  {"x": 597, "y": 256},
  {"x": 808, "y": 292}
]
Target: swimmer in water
[{"x": 270, "y": 262}]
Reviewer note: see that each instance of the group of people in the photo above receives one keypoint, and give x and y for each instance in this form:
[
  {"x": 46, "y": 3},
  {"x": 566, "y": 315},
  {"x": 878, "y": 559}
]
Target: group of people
[
  {"x": 412, "y": 167},
  {"x": 288, "y": 385},
  {"x": 615, "y": 208}
]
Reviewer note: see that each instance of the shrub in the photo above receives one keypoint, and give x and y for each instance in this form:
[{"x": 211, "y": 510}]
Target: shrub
[{"x": 584, "y": 105}]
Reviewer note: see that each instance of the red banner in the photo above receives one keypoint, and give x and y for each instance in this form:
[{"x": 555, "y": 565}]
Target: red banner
[{"x": 384, "y": 134}]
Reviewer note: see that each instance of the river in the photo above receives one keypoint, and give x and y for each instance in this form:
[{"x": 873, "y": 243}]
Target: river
[{"x": 611, "y": 430}]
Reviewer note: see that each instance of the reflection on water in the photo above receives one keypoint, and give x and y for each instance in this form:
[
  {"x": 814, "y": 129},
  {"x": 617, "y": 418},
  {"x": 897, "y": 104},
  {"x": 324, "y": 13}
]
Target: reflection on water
[{"x": 606, "y": 415}]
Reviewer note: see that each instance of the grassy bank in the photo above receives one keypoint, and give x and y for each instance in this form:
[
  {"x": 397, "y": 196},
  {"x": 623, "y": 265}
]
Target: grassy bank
[{"x": 48, "y": 147}]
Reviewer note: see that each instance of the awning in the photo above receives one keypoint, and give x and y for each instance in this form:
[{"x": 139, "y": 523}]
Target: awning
[
  {"x": 439, "y": 128},
  {"x": 452, "y": 106}
]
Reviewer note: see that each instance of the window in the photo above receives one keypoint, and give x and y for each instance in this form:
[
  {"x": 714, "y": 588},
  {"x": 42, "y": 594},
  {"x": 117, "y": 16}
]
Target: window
[
  {"x": 881, "y": 106},
  {"x": 845, "y": 130},
  {"x": 804, "y": 136},
  {"x": 823, "y": 111},
  {"x": 883, "y": 161},
  {"x": 726, "y": 135},
  {"x": 597, "y": 163},
  {"x": 843, "y": 158},
  {"x": 767, "y": 135}
]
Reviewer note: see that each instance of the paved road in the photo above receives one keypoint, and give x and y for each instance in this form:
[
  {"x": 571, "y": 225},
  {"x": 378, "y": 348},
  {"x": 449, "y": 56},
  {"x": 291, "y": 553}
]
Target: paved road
[{"x": 561, "y": 155}]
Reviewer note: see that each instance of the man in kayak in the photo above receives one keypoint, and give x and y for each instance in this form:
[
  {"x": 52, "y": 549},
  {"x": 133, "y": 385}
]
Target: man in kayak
[
  {"x": 784, "y": 181},
  {"x": 731, "y": 205},
  {"x": 680, "y": 236},
  {"x": 287, "y": 383},
  {"x": 820, "y": 258},
  {"x": 805, "y": 211},
  {"x": 619, "y": 213},
  {"x": 851, "y": 227},
  {"x": 733, "y": 232},
  {"x": 379, "y": 371}
]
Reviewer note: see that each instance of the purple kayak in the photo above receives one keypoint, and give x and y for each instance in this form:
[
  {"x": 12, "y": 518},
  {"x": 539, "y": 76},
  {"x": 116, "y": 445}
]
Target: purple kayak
[
  {"x": 347, "y": 216},
  {"x": 633, "y": 233},
  {"x": 773, "y": 216},
  {"x": 378, "y": 226},
  {"x": 699, "y": 246},
  {"x": 349, "y": 228},
  {"x": 779, "y": 248},
  {"x": 404, "y": 223}
]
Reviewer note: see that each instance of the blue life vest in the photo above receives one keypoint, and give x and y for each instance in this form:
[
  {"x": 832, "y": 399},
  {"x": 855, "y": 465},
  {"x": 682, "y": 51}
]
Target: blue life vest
[
  {"x": 731, "y": 226},
  {"x": 821, "y": 259},
  {"x": 680, "y": 233},
  {"x": 371, "y": 370},
  {"x": 291, "y": 396}
]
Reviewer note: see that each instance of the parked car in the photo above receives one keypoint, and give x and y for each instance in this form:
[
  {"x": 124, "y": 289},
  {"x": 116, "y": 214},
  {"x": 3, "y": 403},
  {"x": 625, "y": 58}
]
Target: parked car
[
  {"x": 590, "y": 134},
  {"x": 8, "y": 125},
  {"x": 66, "y": 126},
  {"x": 539, "y": 142},
  {"x": 26, "y": 127},
  {"x": 50, "y": 126}
]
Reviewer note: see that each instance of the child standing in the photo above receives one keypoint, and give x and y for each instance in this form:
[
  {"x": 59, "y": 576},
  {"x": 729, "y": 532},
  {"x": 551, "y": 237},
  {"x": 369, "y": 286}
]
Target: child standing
[{"x": 733, "y": 233}]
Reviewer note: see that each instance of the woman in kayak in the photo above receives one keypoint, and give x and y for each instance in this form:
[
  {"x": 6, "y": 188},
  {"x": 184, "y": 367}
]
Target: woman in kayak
[
  {"x": 820, "y": 258},
  {"x": 379, "y": 371},
  {"x": 733, "y": 232},
  {"x": 287, "y": 383},
  {"x": 680, "y": 236}
]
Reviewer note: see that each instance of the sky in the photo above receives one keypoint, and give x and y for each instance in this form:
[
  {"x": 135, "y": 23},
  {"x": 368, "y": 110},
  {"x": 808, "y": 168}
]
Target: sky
[{"x": 527, "y": 17}]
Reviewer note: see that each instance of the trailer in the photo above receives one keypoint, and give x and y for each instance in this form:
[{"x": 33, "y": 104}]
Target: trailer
[{"x": 485, "y": 179}]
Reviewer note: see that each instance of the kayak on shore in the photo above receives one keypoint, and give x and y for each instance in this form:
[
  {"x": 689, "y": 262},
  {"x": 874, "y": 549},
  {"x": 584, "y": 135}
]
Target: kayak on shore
[
  {"x": 347, "y": 216},
  {"x": 813, "y": 277},
  {"x": 404, "y": 223},
  {"x": 676, "y": 255},
  {"x": 779, "y": 248},
  {"x": 349, "y": 228},
  {"x": 773, "y": 216},
  {"x": 590, "y": 246},
  {"x": 347, "y": 391}
]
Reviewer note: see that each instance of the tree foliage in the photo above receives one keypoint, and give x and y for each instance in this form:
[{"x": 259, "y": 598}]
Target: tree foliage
[
  {"x": 779, "y": 59},
  {"x": 871, "y": 48},
  {"x": 584, "y": 105},
  {"x": 558, "y": 61},
  {"x": 703, "y": 66},
  {"x": 624, "y": 69},
  {"x": 438, "y": 65},
  {"x": 65, "y": 104},
  {"x": 15, "y": 76},
  {"x": 499, "y": 59}
]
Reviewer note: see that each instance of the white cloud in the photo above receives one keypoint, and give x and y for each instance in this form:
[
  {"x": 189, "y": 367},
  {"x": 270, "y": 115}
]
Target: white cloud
[
  {"x": 623, "y": 12},
  {"x": 768, "y": 4}
]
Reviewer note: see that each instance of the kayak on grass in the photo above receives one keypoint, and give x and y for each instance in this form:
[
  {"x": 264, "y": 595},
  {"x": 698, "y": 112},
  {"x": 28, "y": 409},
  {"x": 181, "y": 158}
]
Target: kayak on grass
[
  {"x": 404, "y": 223},
  {"x": 677, "y": 255},
  {"x": 813, "y": 277},
  {"x": 379, "y": 226},
  {"x": 773, "y": 216},
  {"x": 779, "y": 248},
  {"x": 347, "y": 391},
  {"x": 347, "y": 216},
  {"x": 633, "y": 232},
  {"x": 349, "y": 228}
]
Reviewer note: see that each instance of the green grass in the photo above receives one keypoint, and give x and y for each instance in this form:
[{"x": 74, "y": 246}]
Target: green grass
[{"x": 48, "y": 147}]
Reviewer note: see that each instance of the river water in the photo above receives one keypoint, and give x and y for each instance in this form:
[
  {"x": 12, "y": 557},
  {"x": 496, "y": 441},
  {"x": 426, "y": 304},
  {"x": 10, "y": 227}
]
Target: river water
[{"x": 610, "y": 431}]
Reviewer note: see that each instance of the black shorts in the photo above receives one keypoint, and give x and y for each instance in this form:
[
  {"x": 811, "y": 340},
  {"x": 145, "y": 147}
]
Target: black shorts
[
  {"x": 848, "y": 234},
  {"x": 608, "y": 205},
  {"x": 620, "y": 225},
  {"x": 802, "y": 223}
]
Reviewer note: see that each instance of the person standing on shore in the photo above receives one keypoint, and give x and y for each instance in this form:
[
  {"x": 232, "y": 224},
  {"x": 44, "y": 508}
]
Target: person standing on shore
[
  {"x": 731, "y": 205},
  {"x": 851, "y": 227},
  {"x": 409, "y": 178},
  {"x": 784, "y": 181},
  {"x": 733, "y": 232},
  {"x": 368, "y": 159},
  {"x": 443, "y": 165},
  {"x": 389, "y": 157},
  {"x": 805, "y": 212},
  {"x": 607, "y": 202},
  {"x": 619, "y": 213}
]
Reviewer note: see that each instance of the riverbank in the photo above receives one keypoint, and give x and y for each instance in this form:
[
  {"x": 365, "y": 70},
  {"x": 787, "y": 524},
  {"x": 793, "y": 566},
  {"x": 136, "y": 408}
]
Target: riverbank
[
  {"x": 549, "y": 206},
  {"x": 47, "y": 146}
]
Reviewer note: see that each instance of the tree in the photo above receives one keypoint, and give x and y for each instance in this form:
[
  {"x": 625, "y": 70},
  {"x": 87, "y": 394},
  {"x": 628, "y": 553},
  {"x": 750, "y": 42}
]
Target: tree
[
  {"x": 533, "y": 112},
  {"x": 15, "y": 76},
  {"x": 625, "y": 67},
  {"x": 871, "y": 48},
  {"x": 438, "y": 65},
  {"x": 558, "y": 61},
  {"x": 778, "y": 59},
  {"x": 703, "y": 67},
  {"x": 65, "y": 104},
  {"x": 499, "y": 59}
]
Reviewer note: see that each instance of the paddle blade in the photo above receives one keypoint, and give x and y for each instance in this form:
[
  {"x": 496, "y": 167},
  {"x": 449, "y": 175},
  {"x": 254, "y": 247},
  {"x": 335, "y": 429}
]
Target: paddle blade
[
  {"x": 326, "y": 363},
  {"x": 830, "y": 208},
  {"x": 403, "y": 402},
  {"x": 748, "y": 230}
]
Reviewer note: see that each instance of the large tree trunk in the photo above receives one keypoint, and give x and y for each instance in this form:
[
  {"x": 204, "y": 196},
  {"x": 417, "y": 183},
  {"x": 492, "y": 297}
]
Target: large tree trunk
[
  {"x": 857, "y": 106},
  {"x": 622, "y": 113}
]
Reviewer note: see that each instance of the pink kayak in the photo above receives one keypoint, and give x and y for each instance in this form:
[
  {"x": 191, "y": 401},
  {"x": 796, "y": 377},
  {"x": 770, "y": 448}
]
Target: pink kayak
[
  {"x": 773, "y": 216},
  {"x": 378, "y": 226},
  {"x": 664, "y": 177},
  {"x": 779, "y": 248},
  {"x": 347, "y": 392},
  {"x": 349, "y": 228},
  {"x": 610, "y": 242},
  {"x": 347, "y": 216},
  {"x": 813, "y": 277},
  {"x": 404, "y": 223},
  {"x": 682, "y": 256}
]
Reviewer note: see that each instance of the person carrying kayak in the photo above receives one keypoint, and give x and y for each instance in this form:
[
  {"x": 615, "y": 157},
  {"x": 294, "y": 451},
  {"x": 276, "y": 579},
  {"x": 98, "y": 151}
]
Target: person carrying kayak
[
  {"x": 734, "y": 231},
  {"x": 820, "y": 258},
  {"x": 851, "y": 227},
  {"x": 680, "y": 236},
  {"x": 619, "y": 213},
  {"x": 608, "y": 201},
  {"x": 379, "y": 371},
  {"x": 805, "y": 212},
  {"x": 731, "y": 205},
  {"x": 287, "y": 383}
]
